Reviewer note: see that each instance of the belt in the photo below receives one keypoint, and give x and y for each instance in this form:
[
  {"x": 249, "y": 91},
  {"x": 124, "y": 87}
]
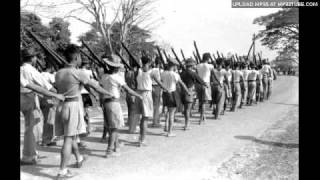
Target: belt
[
  {"x": 155, "y": 84},
  {"x": 111, "y": 100},
  {"x": 251, "y": 80},
  {"x": 73, "y": 99},
  {"x": 215, "y": 85}
]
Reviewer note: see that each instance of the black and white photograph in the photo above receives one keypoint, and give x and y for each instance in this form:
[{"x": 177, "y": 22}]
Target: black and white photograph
[{"x": 159, "y": 89}]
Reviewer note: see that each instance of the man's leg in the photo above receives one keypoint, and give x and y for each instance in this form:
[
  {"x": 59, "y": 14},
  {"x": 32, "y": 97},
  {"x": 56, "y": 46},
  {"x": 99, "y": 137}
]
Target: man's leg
[
  {"x": 111, "y": 141},
  {"x": 265, "y": 87},
  {"x": 29, "y": 142},
  {"x": 187, "y": 110},
  {"x": 171, "y": 120},
  {"x": 66, "y": 152},
  {"x": 269, "y": 88},
  {"x": 143, "y": 129},
  {"x": 220, "y": 99},
  {"x": 156, "y": 105}
]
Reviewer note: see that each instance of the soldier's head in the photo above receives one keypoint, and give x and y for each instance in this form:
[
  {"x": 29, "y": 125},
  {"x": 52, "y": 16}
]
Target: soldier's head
[
  {"x": 72, "y": 54},
  {"x": 146, "y": 63},
  {"x": 219, "y": 62},
  {"x": 29, "y": 55},
  {"x": 157, "y": 61},
  {"x": 252, "y": 65},
  {"x": 205, "y": 57},
  {"x": 244, "y": 65},
  {"x": 190, "y": 63},
  {"x": 172, "y": 64},
  {"x": 114, "y": 63},
  {"x": 227, "y": 64}
]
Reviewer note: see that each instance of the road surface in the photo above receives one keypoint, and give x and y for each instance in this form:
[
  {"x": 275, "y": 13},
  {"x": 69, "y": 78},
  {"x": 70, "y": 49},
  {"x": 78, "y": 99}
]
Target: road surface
[{"x": 192, "y": 154}]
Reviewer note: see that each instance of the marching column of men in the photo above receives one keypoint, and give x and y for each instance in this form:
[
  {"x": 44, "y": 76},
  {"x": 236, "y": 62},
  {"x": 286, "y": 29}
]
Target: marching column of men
[{"x": 64, "y": 98}]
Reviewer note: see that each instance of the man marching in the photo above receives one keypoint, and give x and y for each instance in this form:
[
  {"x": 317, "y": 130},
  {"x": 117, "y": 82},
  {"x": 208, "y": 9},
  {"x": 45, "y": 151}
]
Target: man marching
[{"x": 237, "y": 76}]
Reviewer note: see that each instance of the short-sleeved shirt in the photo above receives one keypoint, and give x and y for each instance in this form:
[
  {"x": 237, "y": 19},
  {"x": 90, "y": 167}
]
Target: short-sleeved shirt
[
  {"x": 49, "y": 77},
  {"x": 144, "y": 79},
  {"x": 89, "y": 75},
  {"x": 29, "y": 74},
  {"x": 266, "y": 71},
  {"x": 220, "y": 74},
  {"x": 229, "y": 74},
  {"x": 70, "y": 80},
  {"x": 252, "y": 76},
  {"x": 169, "y": 80},
  {"x": 112, "y": 83},
  {"x": 204, "y": 70},
  {"x": 157, "y": 74},
  {"x": 190, "y": 78},
  {"x": 245, "y": 73},
  {"x": 237, "y": 74}
]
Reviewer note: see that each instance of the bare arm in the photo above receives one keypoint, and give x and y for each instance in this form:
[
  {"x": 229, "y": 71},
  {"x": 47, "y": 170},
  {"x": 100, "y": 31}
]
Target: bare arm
[
  {"x": 160, "y": 83},
  {"x": 44, "y": 91},
  {"x": 98, "y": 88},
  {"x": 184, "y": 86},
  {"x": 132, "y": 92}
]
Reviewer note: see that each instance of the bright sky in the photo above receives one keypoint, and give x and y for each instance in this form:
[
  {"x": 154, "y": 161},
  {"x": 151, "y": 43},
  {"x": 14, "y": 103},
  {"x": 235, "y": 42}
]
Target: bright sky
[{"x": 212, "y": 23}]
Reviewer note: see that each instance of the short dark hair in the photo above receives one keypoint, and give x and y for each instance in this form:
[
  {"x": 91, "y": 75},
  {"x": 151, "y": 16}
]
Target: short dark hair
[
  {"x": 145, "y": 60},
  {"x": 205, "y": 57},
  {"x": 219, "y": 61},
  {"x": 70, "y": 52}
]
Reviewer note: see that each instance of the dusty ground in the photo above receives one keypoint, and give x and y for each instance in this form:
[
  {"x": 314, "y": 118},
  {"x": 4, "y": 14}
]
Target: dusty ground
[{"x": 194, "y": 154}]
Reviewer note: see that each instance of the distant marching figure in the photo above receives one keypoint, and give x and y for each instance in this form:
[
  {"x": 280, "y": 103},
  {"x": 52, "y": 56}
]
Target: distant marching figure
[
  {"x": 170, "y": 80},
  {"x": 252, "y": 83},
  {"x": 218, "y": 78},
  {"x": 190, "y": 78},
  {"x": 237, "y": 76},
  {"x": 259, "y": 90},
  {"x": 113, "y": 82},
  {"x": 203, "y": 70},
  {"x": 244, "y": 84},
  {"x": 227, "y": 87}
]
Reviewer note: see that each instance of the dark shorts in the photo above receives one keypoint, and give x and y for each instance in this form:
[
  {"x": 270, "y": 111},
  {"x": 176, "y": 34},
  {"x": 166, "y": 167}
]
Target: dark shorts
[
  {"x": 169, "y": 99},
  {"x": 86, "y": 100},
  {"x": 188, "y": 98}
]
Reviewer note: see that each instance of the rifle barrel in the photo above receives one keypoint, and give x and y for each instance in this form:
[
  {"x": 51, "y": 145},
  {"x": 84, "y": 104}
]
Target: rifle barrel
[
  {"x": 130, "y": 55},
  {"x": 184, "y": 58},
  {"x": 197, "y": 51}
]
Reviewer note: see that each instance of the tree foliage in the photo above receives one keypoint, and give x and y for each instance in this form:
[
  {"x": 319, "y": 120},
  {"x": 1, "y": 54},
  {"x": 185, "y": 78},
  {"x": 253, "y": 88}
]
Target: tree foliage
[{"x": 281, "y": 30}]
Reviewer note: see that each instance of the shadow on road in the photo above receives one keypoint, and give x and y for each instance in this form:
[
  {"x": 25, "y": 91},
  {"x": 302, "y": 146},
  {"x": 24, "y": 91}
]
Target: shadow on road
[
  {"x": 37, "y": 170},
  {"x": 284, "y": 104},
  {"x": 271, "y": 143}
]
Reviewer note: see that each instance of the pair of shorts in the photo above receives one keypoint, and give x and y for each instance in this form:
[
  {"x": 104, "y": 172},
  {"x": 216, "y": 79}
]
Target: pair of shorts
[
  {"x": 70, "y": 119},
  {"x": 144, "y": 106},
  {"x": 86, "y": 99},
  {"x": 169, "y": 99},
  {"x": 113, "y": 114},
  {"x": 186, "y": 98},
  {"x": 204, "y": 93}
]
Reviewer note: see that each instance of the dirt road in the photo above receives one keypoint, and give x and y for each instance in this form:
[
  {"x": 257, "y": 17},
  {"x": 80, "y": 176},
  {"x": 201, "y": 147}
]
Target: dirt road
[{"x": 190, "y": 155}]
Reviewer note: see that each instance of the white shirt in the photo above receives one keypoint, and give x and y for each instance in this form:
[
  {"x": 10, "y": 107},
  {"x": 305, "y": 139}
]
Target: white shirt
[
  {"x": 157, "y": 73},
  {"x": 29, "y": 74},
  {"x": 245, "y": 73},
  {"x": 220, "y": 75},
  {"x": 229, "y": 74},
  {"x": 266, "y": 70},
  {"x": 169, "y": 80},
  {"x": 204, "y": 70},
  {"x": 49, "y": 77},
  {"x": 236, "y": 75},
  {"x": 253, "y": 74},
  {"x": 144, "y": 79},
  {"x": 89, "y": 74},
  {"x": 112, "y": 83}
]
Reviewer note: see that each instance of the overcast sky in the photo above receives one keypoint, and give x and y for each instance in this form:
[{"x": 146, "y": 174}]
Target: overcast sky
[{"x": 212, "y": 23}]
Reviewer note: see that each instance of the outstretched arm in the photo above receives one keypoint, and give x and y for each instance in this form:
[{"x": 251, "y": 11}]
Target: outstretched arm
[
  {"x": 44, "y": 91},
  {"x": 97, "y": 88},
  {"x": 132, "y": 92}
]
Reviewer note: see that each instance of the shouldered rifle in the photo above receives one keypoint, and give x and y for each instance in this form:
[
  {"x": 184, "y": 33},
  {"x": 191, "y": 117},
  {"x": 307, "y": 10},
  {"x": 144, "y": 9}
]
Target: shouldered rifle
[
  {"x": 174, "y": 53},
  {"x": 197, "y": 51},
  {"x": 89, "y": 57},
  {"x": 123, "y": 61},
  {"x": 160, "y": 56},
  {"x": 100, "y": 62},
  {"x": 218, "y": 54},
  {"x": 260, "y": 59},
  {"x": 130, "y": 55},
  {"x": 222, "y": 55},
  {"x": 57, "y": 60},
  {"x": 184, "y": 58},
  {"x": 165, "y": 55},
  {"x": 214, "y": 57},
  {"x": 195, "y": 57}
]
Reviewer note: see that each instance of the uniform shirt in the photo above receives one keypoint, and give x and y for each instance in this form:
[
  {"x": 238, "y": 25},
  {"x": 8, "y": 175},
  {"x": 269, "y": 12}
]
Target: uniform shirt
[
  {"x": 253, "y": 75},
  {"x": 236, "y": 75},
  {"x": 260, "y": 75},
  {"x": 266, "y": 71},
  {"x": 112, "y": 83},
  {"x": 144, "y": 79},
  {"x": 220, "y": 74},
  {"x": 29, "y": 74},
  {"x": 169, "y": 80},
  {"x": 70, "y": 80},
  {"x": 157, "y": 73},
  {"x": 204, "y": 70},
  {"x": 89, "y": 75},
  {"x": 190, "y": 78},
  {"x": 49, "y": 77},
  {"x": 229, "y": 74},
  {"x": 245, "y": 73}
]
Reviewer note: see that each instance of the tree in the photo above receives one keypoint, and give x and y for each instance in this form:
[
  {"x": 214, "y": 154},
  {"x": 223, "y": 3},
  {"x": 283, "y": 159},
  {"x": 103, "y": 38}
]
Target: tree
[
  {"x": 281, "y": 31},
  {"x": 59, "y": 33}
]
